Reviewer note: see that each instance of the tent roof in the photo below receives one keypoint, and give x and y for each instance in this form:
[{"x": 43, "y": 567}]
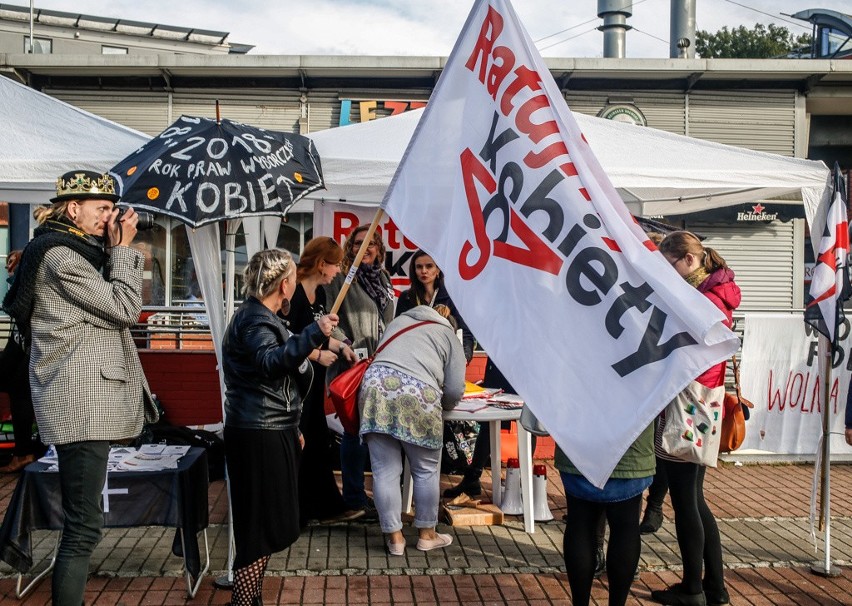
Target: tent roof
[
  {"x": 44, "y": 137},
  {"x": 656, "y": 172}
]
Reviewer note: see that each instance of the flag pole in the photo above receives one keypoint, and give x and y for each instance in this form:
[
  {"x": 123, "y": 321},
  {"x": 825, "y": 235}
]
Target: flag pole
[
  {"x": 368, "y": 237},
  {"x": 824, "y": 569}
]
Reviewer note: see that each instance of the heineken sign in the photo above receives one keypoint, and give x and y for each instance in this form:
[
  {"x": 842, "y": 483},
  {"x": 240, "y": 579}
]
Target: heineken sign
[{"x": 757, "y": 212}]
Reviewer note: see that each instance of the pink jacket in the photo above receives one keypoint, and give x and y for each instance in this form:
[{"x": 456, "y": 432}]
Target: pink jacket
[{"x": 721, "y": 289}]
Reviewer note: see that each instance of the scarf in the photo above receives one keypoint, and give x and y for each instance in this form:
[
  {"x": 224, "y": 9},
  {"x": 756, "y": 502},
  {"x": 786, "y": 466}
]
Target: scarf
[
  {"x": 18, "y": 302},
  {"x": 370, "y": 279},
  {"x": 697, "y": 276}
]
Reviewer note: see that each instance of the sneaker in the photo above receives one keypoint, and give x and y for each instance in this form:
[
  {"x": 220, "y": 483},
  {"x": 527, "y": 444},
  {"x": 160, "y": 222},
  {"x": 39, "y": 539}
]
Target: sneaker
[
  {"x": 471, "y": 489},
  {"x": 651, "y": 521},
  {"x": 344, "y": 516},
  {"x": 440, "y": 540},
  {"x": 675, "y": 596},
  {"x": 396, "y": 549},
  {"x": 600, "y": 562}
]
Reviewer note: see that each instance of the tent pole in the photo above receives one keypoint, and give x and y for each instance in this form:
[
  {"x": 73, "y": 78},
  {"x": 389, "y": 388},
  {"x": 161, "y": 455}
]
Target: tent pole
[
  {"x": 368, "y": 237},
  {"x": 231, "y": 226}
]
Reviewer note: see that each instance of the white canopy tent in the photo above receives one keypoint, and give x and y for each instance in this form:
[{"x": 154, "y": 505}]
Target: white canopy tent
[
  {"x": 656, "y": 172},
  {"x": 44, "y": 137}
]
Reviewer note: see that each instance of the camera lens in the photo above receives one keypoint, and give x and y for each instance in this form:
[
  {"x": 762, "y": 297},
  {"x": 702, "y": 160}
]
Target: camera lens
[{"x": 146, "y": 221}]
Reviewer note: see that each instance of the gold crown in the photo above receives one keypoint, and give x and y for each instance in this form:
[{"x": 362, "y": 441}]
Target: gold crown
[{"x": 76, "y": 185}]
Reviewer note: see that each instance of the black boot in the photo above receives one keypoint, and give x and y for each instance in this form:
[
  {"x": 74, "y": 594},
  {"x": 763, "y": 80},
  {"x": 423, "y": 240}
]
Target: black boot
[
  {"x": 716, "y": 597},
  {"x": 675, "y": 596},
  {"x": 469, "y": 485},
  {"x": 652, "y": 520},
  {"x": 600, "y": 562}
]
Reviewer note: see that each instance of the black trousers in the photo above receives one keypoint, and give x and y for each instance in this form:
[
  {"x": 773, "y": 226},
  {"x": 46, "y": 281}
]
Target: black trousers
[
  {"x": 696, "y": 528},
  {"x": 580, "y": 545}
]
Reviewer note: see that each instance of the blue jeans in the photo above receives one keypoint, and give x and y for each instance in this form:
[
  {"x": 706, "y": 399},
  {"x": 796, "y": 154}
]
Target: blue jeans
[
  {"x": 82, "y": 473},
  {"x": 353, "y": 461},
  {"x": 386, "y": 462}
]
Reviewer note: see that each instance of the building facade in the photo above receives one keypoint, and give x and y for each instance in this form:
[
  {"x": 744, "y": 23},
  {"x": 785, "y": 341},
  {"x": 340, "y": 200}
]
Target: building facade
[{"x": 791, "y": 107}]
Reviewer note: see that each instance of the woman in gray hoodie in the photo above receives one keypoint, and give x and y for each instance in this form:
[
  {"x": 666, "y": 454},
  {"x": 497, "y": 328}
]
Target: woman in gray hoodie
[{"x": 408, "y": 385}]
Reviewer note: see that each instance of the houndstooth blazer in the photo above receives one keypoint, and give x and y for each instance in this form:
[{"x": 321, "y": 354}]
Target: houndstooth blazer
[{"x": 86, "y": 378}]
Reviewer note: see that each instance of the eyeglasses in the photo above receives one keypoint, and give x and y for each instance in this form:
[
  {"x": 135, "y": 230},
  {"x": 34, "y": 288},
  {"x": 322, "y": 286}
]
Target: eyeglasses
[
  {"x": 358, "y": 243},
  {"x": 675, "y": 262}
]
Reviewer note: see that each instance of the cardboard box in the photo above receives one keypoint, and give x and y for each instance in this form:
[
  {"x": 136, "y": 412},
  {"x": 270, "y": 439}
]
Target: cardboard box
[{"x": 463, "y": 511}]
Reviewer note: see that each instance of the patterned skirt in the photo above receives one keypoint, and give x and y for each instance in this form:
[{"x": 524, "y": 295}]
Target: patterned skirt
[{"x": 404, "y": 407}]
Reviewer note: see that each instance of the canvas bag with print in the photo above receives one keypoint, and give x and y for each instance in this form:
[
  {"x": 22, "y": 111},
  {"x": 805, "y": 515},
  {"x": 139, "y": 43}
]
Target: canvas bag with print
[{"x": 693, "y": 426}]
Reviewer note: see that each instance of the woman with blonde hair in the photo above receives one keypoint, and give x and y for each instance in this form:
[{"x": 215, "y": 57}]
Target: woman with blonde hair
[
  {"x": 264, "y": 363},
  {"x": 319, "y": 496},
  {"x": 695, "y": 526}
]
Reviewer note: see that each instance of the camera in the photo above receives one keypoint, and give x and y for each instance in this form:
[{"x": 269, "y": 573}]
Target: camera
[{"x": 146, "y": 220}]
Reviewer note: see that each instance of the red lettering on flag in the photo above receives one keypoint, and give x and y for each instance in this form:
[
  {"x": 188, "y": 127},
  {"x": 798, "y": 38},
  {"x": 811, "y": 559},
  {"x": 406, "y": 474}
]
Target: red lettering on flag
[{"x": 535, "y": 253}]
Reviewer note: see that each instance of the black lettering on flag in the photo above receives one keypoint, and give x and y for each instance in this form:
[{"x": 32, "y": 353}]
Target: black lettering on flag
[
  {"x": 538, "y": 200},
  {"x": 492, "y": 145},
  {"x": 650, "y": 349},
  {"x": 633, "y": 296}
]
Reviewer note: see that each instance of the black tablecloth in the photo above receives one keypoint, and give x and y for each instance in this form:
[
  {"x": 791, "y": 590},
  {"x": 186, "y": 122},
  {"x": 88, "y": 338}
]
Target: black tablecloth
[{"x": 172, "y": 497}]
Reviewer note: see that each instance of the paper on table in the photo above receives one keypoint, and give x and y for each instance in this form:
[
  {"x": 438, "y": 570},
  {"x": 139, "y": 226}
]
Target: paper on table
[
  {"x": 149, "y": 457},
  {"x": 471, "y": 405},
  {"x": 479, "y": 393},
  {"x": 506, "y": 400}
]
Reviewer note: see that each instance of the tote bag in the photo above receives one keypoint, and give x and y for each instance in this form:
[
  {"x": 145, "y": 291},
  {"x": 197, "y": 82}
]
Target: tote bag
[{"x": 693, "y": 424}]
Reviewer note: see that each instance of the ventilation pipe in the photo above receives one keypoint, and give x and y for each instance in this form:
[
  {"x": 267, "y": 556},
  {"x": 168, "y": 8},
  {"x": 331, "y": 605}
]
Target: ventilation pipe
[
  {"x": 682, "y": 32},
  {"x": 614, "y": 14}
]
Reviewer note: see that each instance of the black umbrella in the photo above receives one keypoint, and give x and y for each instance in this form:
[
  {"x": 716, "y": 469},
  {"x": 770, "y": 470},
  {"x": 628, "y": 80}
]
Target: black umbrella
[{"x": 201, "y": 170}]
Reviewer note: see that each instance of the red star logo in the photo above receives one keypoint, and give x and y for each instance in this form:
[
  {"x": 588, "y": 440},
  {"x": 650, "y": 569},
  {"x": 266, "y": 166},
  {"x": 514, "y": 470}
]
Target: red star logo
[{"x": 758, "y": 208}]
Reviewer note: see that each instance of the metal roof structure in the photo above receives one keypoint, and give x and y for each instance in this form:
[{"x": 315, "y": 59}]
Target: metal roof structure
[{"x": 97, "y": 23}]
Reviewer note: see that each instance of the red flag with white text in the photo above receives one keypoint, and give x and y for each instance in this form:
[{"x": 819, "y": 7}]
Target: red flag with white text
[{"x": 567, "y": 295}]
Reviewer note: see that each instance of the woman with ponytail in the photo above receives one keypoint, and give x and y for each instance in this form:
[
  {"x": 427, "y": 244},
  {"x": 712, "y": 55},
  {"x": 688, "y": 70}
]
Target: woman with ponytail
[{"x": 695, "y": 526}]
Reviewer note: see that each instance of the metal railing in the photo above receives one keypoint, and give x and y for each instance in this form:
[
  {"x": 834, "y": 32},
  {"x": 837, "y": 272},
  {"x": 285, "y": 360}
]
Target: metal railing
[
  {"x": 164, "y": 328},
  {"x": 176, "y": 327},
  {"x": 185, "y": 326}
]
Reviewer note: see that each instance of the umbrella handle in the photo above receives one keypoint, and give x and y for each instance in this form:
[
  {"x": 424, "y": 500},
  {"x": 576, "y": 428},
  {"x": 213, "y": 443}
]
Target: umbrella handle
[{"x": 368, "y": 237}]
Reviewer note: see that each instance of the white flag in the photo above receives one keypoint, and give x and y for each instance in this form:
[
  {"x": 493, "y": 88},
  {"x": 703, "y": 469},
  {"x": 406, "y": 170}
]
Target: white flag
[
  {"x": 830, "y": 278},
  {"x": 590, "y": 324}
]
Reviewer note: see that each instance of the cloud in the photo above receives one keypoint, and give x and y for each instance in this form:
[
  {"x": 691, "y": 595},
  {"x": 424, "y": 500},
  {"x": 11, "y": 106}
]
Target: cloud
[{"x": 407, "y": 27}]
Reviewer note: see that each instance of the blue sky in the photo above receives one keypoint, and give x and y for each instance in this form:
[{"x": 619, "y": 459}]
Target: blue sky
[{"x": 561, "y": 28}]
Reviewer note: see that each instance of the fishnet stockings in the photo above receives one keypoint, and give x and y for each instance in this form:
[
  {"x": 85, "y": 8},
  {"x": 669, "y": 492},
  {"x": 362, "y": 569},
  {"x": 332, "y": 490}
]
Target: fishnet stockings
[{"x": 248, "y": 583}]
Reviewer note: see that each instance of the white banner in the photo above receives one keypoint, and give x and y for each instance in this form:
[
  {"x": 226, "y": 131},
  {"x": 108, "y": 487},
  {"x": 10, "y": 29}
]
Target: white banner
[
  {"x": 588, "y": 322},
  {"x": 337, "y": 220},
  {"x": 780, "y": 375}
]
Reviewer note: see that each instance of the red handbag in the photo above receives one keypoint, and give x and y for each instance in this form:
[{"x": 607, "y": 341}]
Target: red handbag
[{"x": 343, "y": 389}]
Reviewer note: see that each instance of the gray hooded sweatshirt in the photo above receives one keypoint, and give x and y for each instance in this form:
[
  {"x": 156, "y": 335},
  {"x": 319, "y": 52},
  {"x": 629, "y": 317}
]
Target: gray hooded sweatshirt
[{"x": 431, "y": 352}]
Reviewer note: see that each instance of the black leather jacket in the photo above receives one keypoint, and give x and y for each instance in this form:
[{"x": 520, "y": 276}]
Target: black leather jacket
[{"x": 264, "y": 365}]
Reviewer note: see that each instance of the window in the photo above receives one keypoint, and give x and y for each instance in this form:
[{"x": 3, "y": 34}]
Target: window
[
  {"x": 41, "y": 46},
  {"x": 113, "y": 50}
]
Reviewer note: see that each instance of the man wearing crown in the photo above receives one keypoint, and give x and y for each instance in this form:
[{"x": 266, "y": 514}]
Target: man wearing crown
[{"x": 77, "y": 292}]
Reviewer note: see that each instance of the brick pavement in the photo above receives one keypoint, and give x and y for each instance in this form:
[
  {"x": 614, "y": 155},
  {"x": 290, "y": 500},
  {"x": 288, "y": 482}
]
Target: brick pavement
[{"x": 762, "y": 512}]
